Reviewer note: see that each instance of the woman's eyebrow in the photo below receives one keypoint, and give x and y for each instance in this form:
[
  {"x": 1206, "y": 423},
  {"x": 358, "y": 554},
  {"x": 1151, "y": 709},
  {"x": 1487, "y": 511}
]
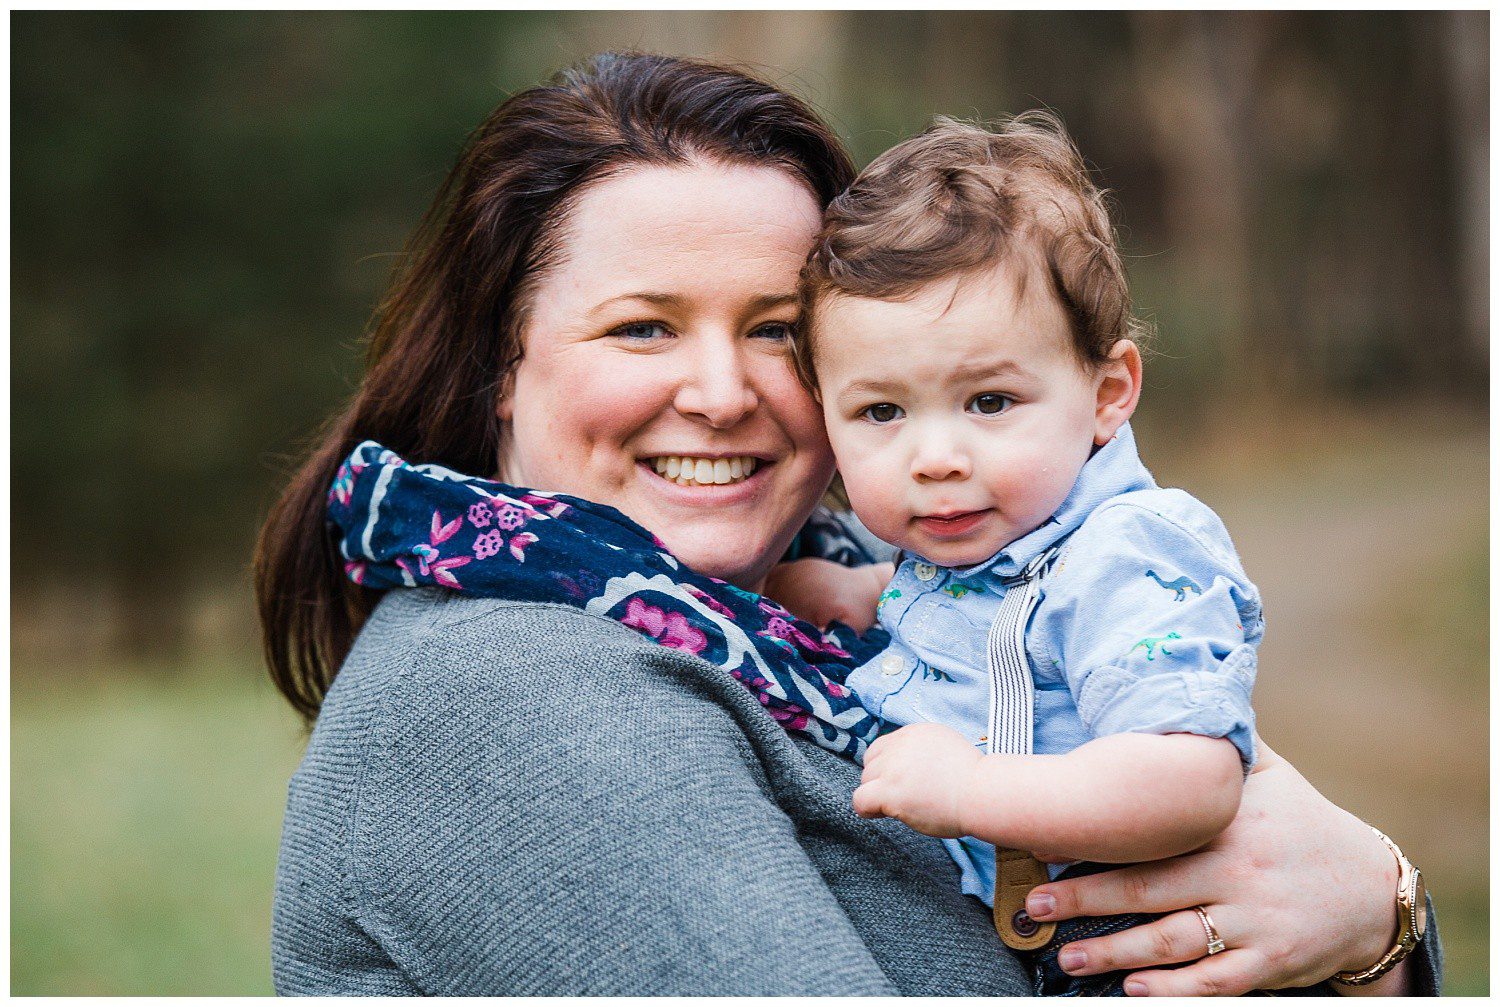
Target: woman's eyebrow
[
  {"x": 756, "y": 305},
  {"x": 646, "y": 296},
  {"x": 765, "y": 302}
]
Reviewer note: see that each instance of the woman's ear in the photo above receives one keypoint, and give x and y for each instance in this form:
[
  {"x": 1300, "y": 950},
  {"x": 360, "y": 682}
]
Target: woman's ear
[
  {"x": 1117, "y": 389},
  {"x": 505, "y": 401}
]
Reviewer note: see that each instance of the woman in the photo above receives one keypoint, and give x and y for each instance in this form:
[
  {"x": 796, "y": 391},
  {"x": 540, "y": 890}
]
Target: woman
[{"x": 522, "y": 798}]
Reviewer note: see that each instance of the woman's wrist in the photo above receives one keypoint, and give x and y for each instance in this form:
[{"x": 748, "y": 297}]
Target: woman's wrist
[
  {"x": 1395, "y": 983},
  {"x": 1379, "y": 936}
]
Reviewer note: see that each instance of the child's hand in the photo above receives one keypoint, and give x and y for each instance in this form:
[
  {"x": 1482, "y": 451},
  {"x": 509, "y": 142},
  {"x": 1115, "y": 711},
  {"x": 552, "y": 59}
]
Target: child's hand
[
  {"x": 920, "y": 775},
  {"x": 822, "y": 591}
]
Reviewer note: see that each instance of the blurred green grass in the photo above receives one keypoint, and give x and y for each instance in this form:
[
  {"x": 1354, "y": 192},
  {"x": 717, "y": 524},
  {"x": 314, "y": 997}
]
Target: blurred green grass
[{"x": 145, "y": 815}]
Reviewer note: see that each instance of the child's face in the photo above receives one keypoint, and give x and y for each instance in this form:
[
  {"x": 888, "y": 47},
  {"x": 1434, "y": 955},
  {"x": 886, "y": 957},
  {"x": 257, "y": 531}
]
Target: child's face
[{"x": 960, "y": 416}]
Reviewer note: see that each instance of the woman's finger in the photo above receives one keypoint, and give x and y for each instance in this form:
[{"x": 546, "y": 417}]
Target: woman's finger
[
  {"x": 1178, "y": 937},
  {"x": 1162, "y": 886},
  {"x": 1229, "y": 974}
]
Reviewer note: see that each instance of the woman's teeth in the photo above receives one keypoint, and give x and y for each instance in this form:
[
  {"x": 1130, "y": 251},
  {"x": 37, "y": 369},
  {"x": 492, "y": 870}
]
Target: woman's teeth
[{"x": 687, "y": 471}]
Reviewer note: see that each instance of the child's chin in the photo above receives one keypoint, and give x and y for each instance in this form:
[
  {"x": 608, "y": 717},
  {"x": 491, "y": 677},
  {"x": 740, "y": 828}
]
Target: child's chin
[{"x": 954, "y": 554}]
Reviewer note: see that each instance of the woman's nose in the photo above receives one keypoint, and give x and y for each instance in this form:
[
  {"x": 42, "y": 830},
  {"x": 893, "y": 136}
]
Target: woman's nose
[
  {"x": 717, "y": 387},
  {"x": 939, "y": 457}
]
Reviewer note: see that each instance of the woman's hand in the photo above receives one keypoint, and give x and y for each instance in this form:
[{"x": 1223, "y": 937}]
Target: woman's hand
[
  {"x": 822, "y": 591},
  {"x": 1297, "y": 888}
]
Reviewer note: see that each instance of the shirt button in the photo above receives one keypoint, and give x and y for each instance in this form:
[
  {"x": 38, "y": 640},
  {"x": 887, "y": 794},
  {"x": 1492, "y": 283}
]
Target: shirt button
[
  {"x": 925, "y": 571},
  {"x": 892, "y": 665}
]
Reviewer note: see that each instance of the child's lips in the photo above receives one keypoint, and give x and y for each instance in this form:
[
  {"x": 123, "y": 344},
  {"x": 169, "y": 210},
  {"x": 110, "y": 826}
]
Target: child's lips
[{"x": 952, "y": 524}]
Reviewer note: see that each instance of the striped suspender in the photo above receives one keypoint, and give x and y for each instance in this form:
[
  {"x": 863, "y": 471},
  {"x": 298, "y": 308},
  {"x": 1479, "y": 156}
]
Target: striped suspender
[
  {"x": 1012, "y": 705},
  {"x": 1012, "y": 693}
]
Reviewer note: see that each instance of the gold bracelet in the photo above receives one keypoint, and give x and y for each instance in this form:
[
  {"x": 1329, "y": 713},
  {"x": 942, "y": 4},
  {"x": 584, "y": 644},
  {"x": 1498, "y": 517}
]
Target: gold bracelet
[{"x": 1411, "y": 910}]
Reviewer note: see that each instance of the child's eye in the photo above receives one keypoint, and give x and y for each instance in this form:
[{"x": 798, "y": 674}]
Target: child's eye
[
  {"x": 990, "y": 403},
  {"x": 779, "y": 331},
  {"x": 882, "y": 412},
  {"x": 641, "y": 331}
]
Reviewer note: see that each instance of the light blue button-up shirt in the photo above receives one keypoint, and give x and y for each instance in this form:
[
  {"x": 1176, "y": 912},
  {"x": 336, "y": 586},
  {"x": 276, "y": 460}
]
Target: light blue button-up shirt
[{"x": 1146, "y": 623}]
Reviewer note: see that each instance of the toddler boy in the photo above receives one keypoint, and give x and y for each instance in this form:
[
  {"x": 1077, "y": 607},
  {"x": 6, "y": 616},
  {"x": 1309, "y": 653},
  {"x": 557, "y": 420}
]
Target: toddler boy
[{"x": 1072, "y": 647}]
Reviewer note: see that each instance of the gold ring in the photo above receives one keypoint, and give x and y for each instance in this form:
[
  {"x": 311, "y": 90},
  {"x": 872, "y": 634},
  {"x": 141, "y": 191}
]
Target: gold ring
[{"x": 1215, "y": 942}]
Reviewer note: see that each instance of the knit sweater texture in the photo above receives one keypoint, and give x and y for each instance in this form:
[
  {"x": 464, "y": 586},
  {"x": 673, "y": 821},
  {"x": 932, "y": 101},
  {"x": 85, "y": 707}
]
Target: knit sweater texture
[{"x": 508, "y": 798}]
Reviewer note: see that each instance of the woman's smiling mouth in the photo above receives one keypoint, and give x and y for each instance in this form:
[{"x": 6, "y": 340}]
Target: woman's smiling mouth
[{"x": 695, "y": 470}]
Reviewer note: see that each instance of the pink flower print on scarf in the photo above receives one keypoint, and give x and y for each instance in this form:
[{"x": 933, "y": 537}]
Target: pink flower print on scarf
[
  {"x": 670, "y": 629},
  {"x": 428, "y": 557},
  {"x": 546, "y": 505},
  {"x": 710, "y": 601},
  {"x": 791, "y": 720},
  {"x": 509, "y": 516},
  {"x": 488, "y": 544},
  {"x": 343, "y": 482},
  {"x": 783, "y": 632},
  {"x": 519, "y": 543}
]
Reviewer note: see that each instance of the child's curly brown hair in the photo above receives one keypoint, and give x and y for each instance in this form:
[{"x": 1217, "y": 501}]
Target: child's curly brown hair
[{"x": 959, "y": 198}]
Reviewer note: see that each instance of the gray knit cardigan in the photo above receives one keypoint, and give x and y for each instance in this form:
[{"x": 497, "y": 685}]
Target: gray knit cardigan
[{"x": 506, "y": 798}]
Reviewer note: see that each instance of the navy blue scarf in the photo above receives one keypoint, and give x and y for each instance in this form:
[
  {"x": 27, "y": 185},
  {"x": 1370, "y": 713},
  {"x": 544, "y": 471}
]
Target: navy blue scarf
[{"x": 407, "y": 525}]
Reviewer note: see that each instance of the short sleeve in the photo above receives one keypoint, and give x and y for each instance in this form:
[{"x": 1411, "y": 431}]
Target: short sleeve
[{"x": 1151, "y": 621}]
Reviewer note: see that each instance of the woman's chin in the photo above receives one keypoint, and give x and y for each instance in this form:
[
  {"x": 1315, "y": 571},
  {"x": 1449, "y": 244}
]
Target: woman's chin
[{"x": 730, "y": 546}]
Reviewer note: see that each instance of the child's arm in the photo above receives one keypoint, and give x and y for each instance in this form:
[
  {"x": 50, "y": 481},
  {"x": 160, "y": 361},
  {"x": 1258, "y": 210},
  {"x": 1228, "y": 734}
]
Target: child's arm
[
  {"x": 822, "y": 591},
  {"x": 1117, "y": 799}
]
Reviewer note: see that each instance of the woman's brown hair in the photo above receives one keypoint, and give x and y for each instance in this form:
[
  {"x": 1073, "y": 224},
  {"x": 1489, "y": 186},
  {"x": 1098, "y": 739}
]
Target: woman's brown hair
[{"x": 447, "y": 336}]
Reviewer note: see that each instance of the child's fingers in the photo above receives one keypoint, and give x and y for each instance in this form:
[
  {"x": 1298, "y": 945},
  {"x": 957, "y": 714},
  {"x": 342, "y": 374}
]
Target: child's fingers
[
  {"x": 1227, "y": 974},
  {"x": 867, "y": 801}
]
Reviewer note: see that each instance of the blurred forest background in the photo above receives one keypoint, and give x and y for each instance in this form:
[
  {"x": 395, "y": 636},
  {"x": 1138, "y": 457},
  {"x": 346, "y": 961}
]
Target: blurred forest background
[{"x": 205, "y": 209}]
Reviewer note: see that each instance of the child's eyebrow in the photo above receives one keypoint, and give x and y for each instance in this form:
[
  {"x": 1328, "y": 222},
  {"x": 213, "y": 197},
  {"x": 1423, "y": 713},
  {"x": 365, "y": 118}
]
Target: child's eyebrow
[
  {"x": 865, "y": 387},
  {"x": 990, "y": 369}
]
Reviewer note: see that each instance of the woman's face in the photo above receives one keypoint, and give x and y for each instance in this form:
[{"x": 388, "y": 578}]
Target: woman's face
[{"x": 656, "y": 374}]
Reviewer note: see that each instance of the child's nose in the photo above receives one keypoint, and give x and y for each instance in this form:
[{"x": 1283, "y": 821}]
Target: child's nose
[{"x": 937, "y": 459}]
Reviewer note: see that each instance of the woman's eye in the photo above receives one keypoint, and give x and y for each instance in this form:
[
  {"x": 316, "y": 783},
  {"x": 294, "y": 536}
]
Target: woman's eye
[
  {"x": 641, "y": 331},
  {"x": 881, "y": 412},
  {"x": 780, "y": 331},
  {"x": 990, "y": 403}
]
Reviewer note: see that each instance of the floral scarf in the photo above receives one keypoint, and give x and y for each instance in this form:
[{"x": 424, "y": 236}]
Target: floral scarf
[{"x": 403, "y": 525}]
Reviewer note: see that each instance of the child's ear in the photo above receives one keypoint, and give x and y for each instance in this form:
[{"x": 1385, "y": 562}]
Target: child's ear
[{"x": 1117, "y": 388}]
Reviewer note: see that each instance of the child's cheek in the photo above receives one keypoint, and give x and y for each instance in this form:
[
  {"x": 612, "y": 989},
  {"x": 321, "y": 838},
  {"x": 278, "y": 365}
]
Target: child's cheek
[
  {"x": 875, "y": 493},
  {"x": 1034, "y": 481}
]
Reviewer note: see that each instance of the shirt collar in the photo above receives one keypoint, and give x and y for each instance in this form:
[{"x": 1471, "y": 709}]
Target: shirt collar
[{"x": 1113, "y": 469}]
